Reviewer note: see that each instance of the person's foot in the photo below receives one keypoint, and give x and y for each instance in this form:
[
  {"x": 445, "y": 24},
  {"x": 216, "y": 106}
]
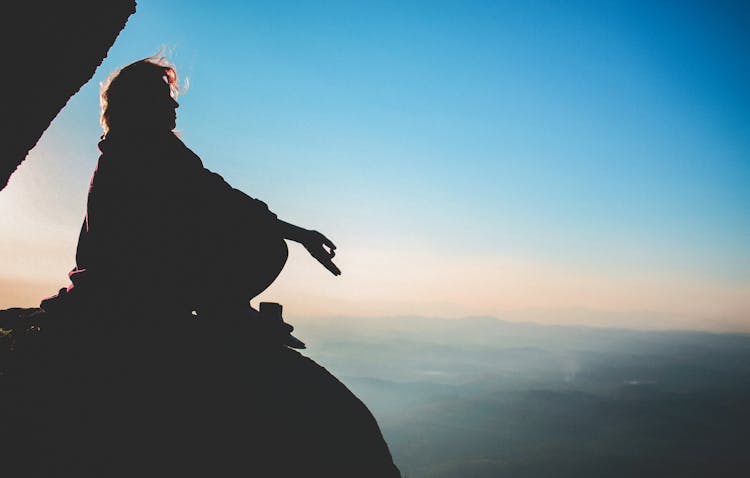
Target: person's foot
[
  {"x": 271, "y": 311},
  {"x": 266, "y": 324}
]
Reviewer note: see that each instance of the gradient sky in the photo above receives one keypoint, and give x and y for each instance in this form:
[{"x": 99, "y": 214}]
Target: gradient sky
[{"x": 548, "y": 161}]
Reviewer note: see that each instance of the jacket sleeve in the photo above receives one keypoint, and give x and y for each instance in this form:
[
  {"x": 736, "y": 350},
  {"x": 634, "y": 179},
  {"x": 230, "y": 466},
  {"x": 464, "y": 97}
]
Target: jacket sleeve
[
  {"x": 237, "y": 201},
  {"x": 213, "y": 190}
]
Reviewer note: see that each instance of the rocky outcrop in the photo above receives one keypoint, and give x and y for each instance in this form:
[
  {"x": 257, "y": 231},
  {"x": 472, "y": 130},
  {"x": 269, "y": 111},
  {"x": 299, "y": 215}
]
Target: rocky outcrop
[
  {"x": 173, "y": 396},
  {"x": 151, "y": 395},
  {"x": 50, "y": 50}
]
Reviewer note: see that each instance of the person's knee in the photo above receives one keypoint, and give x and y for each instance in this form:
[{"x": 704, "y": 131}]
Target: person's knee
[
  {"x": 266, "y": 268},
  {"x": 274, "y": 262},
  {"x": 283, "y": 252}
]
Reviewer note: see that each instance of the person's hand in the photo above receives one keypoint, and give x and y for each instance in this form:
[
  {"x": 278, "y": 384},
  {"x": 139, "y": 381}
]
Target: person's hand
[{"x": 316, "y": 244}]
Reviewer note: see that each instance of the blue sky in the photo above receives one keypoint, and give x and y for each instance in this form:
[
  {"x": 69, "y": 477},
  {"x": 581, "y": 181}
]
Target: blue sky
[{"x": 608, "y": 143}]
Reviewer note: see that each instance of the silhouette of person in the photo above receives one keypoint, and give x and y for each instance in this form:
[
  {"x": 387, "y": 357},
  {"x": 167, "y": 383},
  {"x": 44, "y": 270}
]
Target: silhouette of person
[
  {"x": 124, "y": 386},
  {"x": 161, "y": 231}
]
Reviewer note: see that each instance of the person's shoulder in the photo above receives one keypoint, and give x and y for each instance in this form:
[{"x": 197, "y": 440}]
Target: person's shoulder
[
  {"x": 180, "y": 151},
  {"x": 141, "y": 145}
]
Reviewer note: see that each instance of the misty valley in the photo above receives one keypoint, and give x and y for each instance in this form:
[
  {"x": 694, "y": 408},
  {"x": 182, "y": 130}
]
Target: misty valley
[{"x": 479, "y": 397}]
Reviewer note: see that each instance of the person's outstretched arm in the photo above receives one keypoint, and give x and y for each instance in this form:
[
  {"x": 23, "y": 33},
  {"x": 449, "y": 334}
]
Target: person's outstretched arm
[
  {"x": 318, "y": 245},
  {"x": 314, "y": 242}
]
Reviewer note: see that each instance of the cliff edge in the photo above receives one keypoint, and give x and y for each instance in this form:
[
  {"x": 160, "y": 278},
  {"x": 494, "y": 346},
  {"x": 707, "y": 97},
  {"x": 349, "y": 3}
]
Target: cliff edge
[
  {"x": 173, "y": 396},
  {"x": 50, "y": 50}
]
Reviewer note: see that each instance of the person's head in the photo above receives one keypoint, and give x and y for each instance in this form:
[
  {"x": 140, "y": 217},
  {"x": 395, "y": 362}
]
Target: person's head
[{"x": 140, "y": 96}]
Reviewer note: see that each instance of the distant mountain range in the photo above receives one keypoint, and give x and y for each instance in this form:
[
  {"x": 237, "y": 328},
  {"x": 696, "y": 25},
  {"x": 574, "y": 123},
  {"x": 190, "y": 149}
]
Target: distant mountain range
[{"x": 480, "y": 397}]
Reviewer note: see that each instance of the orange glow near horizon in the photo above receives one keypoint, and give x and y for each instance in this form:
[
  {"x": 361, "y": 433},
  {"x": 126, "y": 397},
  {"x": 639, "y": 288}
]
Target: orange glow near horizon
[
  {"x": 446, "y": 287},
  {"x": 428, "y": 284}
]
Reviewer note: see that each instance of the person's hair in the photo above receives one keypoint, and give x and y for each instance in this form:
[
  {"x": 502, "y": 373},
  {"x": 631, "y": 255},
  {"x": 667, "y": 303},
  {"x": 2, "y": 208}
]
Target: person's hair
[{"x": 124, "y": 89}]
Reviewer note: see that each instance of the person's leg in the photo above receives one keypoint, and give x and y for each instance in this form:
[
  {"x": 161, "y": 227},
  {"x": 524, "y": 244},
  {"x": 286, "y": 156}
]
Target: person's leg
[
  {"x": 268, "y": 262},
  {"x": 236, "y": 279}
]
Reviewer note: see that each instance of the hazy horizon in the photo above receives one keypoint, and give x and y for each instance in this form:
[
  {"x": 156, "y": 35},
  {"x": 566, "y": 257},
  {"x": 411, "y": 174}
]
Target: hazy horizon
[{"x": 487, "y": 399}]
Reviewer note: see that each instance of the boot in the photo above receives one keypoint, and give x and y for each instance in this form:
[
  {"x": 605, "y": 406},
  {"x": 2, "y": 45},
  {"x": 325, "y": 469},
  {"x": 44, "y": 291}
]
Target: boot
[{"x": 271, "y": 311}]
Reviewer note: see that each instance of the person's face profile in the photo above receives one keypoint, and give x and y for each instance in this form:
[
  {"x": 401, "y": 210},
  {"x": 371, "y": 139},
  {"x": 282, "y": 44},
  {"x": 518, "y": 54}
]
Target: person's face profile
[{"x": 160, "y": 108}]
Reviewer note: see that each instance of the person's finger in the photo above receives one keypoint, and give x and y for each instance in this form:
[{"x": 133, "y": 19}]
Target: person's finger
[
  {"x": 322, "y": 256},
  {"x": 328, "y": 264},
  {"x": 328, "y": 243}
]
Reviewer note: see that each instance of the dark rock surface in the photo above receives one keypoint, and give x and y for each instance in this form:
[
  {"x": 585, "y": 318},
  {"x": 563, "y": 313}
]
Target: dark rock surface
[
  {"x": 50, "y": 50},
  {"x": 173, "y": 396}
]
